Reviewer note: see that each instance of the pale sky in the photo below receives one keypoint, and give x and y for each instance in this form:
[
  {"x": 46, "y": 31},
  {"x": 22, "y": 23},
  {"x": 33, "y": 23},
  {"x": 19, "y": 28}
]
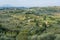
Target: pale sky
[{"x": 30, "y": 3}]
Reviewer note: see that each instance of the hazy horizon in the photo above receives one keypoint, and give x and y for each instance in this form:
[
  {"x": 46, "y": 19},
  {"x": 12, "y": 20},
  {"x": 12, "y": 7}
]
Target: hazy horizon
[{"x": 29, "y": 3}]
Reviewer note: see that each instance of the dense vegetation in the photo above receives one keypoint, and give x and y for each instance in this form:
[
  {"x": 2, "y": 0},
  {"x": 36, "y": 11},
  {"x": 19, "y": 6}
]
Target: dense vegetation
[{"x": 30, "y": 23}]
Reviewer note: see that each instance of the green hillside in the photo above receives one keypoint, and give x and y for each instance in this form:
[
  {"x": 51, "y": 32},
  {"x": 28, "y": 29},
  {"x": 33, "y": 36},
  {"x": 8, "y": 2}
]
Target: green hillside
[{"x": 35, "y": 23}]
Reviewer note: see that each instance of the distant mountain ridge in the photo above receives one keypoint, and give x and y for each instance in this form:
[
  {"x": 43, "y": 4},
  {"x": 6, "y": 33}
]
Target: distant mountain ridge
[{"x": 7, "y": 5}]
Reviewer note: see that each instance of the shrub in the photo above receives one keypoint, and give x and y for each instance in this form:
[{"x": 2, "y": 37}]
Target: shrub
[{"x": 46, "y": 36}]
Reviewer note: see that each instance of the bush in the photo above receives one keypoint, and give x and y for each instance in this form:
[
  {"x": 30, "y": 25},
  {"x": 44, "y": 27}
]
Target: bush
[
  {"x": 57, "y": 37},
  {"x": 46, "y": 36},
  {"x": 22, "y": 36}
]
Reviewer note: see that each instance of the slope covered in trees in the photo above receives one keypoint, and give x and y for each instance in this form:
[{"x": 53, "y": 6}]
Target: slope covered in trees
[{"x": 35, "y": 23}]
